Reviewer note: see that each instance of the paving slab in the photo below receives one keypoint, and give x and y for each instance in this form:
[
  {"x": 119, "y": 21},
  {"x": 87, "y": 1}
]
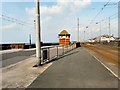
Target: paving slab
[{"x": 21, "y": 74}]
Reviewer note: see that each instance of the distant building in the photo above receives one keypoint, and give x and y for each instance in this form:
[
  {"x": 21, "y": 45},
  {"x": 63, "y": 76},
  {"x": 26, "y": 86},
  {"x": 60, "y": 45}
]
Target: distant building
[
  {"x": 18, "y": 45},
  {"x": 103, "y": 38},
  {"x": 12, "y": 46},
  {"x": 91, "y": 40},
  {"x": 117, "y": 39},
  {"x": 107, "y": 38},
  {"x": 64, "y": 38}
]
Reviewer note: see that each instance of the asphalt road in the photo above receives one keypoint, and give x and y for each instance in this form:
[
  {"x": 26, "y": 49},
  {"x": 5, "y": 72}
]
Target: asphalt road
[
  {"x": 19, "y": 53},
  {"x": 77, "y": 69},
  {"x": 14, "y": 57}
]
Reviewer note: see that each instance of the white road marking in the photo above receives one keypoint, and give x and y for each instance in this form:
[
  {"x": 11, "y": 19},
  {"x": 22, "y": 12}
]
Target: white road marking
[{"x": 105, "y": 66}]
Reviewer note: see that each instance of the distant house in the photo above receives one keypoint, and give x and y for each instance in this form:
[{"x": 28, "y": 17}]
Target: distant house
[
  {"x": 107, "y": 38},
  {"x": 103, "y": 38},
  {"x": 117, "y": 39},
  {"x": 91, "y": 40}
]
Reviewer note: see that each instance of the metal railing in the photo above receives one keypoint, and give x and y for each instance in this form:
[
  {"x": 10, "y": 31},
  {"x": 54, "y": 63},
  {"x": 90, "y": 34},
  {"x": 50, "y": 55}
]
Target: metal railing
[{"x": 49, "y": 53}]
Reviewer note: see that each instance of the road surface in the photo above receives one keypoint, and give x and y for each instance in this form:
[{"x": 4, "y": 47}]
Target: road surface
[
  {"x": 108, "y": 53},
  {"x": 78, "y": 69},
  {"x": 14, "y": 57}
]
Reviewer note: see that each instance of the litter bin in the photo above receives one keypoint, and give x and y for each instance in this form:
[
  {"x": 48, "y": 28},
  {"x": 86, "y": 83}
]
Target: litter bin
[{"x": 78, "y": 44}]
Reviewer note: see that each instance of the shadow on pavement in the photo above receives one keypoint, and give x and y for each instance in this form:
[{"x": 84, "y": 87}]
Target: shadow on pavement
[{"x": 55, "y": 59}]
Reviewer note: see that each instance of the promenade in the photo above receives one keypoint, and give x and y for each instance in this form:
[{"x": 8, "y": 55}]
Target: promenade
[{"x": 76, "y": 69}]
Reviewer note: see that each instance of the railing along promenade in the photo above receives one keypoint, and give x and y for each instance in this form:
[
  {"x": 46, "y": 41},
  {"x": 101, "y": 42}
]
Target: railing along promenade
[{"x": 49, "y": 53}]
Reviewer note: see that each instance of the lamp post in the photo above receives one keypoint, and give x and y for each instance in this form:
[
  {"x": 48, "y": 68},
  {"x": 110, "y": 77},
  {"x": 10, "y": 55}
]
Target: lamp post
[
  {"x": 30, "y": 39},
  {"x": 109, "y": 29},
  {"x": 84, "y": 33},
  {"x": 78, "y": 29},
  {"x": 38, "y": 36},
  {"x": 100, "y": 31},
  {"x": 84, "y": 36}
]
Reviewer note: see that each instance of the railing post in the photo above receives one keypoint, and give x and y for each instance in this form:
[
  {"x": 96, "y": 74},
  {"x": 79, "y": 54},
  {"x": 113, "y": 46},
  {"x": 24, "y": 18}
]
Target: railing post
[
  {"x": 72, "y": 46},
  {"x": 48, "y": 52},
  {"x": 67, "y": 48},
  {"x": 57, "y": 51},
  {"x": 63, "y": 49},
  {"x": 41, "y": 56}
]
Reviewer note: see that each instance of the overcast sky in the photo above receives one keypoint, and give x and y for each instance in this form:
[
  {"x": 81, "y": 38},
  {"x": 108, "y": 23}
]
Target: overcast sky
[{"x": 56, "y": 15}]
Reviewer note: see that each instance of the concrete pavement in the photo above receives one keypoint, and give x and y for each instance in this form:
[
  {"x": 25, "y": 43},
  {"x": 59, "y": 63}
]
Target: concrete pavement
[
  {"x": 22, "y": 73},
  {"x": 78, "y": 69}
]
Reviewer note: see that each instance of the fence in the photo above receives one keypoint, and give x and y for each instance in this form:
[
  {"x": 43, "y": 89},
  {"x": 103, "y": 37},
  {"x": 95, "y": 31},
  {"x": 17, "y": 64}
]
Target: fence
[{"x": 52, "y": 52}]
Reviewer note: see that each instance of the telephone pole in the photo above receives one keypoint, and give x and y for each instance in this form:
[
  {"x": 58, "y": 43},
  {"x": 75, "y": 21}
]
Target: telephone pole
[
  {"x": 109, "y": 29},
  {"x": 38, "y": 36},
  {"x": 84, "y": 36},
  {"x": 30, "y": 39},
  {"x": 78, "y": 29},
  {"x": 100, "y": 32}
]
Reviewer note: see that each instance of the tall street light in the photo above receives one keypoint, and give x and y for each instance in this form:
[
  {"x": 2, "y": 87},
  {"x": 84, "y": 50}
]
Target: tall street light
[
  {"x": 109, "y": 29},
  {"x": 84, "y": 33},
  {"x": 84, "y": 36},
  {"x": 30, "y": 39},
  {"x": 78, "y": 30},
  {"x": 100, "y": 31},
  {"x": 38, "y": 36}
]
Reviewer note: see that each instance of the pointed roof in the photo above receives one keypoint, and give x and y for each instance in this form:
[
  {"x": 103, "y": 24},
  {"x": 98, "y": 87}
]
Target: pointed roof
[{"x": 64, "y": 32}]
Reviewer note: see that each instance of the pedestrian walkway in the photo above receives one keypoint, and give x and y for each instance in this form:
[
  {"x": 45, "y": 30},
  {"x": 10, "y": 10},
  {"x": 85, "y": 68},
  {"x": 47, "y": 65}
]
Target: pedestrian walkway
[{"x": 77, "y": 69}]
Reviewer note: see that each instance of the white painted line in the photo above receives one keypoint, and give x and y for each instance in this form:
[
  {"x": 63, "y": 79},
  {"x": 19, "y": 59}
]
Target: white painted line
[{"x": 105, "y": 66}]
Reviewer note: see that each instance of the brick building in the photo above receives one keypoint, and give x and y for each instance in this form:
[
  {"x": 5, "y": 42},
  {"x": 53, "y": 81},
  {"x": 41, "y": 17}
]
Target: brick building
[{"x": 64, "y": 38}]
